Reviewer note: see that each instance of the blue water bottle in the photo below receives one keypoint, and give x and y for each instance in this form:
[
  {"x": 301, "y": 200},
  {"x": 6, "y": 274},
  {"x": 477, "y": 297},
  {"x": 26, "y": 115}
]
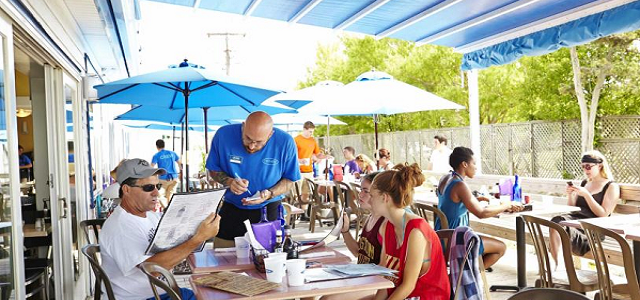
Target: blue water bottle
[
  {"x": 315, "y": 170},
  {"x": 517, "y": 191}
]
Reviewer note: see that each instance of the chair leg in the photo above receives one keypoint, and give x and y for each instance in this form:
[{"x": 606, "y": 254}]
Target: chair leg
[
  {"x": 312, "y": 221},
  {"x": 46, "y": 283}
]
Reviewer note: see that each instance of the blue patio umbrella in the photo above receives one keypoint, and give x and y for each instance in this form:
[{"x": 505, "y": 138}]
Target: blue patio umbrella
[
  {"x": 166, "y": 127},
  {"x": 185, "y": 86},
  {"x": 213, "y": 116}
]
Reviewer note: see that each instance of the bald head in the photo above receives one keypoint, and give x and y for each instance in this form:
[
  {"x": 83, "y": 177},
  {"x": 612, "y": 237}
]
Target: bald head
[
  {"x": 256, "y": 131},
  {"x": 259, "y": 120}
]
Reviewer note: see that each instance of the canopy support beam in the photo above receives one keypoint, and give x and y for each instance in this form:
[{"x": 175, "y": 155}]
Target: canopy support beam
[
  {"x": 304, "y": 11},
  {"x": 361, "y": 14},
  {"x": 417, "y": 18},
  {"x": 474, "y": 117},
  {"x": 477, "y": 21}
]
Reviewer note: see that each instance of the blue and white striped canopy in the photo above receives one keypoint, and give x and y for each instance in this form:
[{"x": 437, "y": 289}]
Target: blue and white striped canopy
[{"x": 488, "y": 32}]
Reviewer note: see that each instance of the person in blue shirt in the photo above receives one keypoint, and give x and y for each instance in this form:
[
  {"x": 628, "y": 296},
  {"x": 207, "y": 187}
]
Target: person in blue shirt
[
  {"x": 256, "y": 161},
  {"x": 167, "y": 159},
  {"x": 456, "y": 201},
  {"x": 25, "y": 165}
]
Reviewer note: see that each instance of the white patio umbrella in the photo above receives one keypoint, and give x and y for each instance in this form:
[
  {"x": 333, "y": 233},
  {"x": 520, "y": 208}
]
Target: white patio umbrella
[
  {"x": 321, "y": 92},
  {"x": 374, "y": 93},
  {"x": 292, "y": 123},
  {"x": 300, "y": 119}
]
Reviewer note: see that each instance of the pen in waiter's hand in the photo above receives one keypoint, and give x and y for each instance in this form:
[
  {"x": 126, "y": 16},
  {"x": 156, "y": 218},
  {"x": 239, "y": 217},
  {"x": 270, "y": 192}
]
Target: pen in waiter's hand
[{"x": 240, "y": 180}]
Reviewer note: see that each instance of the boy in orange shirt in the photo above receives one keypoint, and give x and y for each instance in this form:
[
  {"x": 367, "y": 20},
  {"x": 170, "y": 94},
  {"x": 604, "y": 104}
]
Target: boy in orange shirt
[{"x": 308, "y": 153}]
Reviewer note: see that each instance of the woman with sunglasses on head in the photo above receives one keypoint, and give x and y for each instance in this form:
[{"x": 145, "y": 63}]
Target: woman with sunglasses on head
[
  {"x": 456, "y": 201},
  {"x": 368, "y": 247},
  {"x": 596, "y": 197},
  {"x": 409, "y": 244}
]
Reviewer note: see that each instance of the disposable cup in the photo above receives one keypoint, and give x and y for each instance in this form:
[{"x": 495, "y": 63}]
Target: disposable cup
[
  {"x": 242, "y": 247},
  {"x": 280, "y": 255},
  {"x": 295, "y": 271},
  {"x": 275, "y": 269}
]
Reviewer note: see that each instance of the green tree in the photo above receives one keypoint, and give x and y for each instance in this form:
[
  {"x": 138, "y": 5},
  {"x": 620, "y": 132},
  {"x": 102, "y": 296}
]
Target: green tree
[{"x": 533, "y": 88}]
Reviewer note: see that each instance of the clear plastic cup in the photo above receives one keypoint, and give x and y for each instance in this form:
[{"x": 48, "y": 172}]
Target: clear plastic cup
[
  {"x": 295, "y": 271},
  {"x": 280, "y": 255},
  {"x": 242, "y": 247},
  {"x": 275, "y": 269}
]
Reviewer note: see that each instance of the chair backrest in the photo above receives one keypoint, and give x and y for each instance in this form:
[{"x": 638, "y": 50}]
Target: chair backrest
[
  {"x": 535, "y": 225},
  {"x": 594, "y": 235},
  {"x": 296, "y": 193},
  {"x": 93, "y": 225},
  {"x": 91, "y": 251},
  {"x": 343, "y": 191},
  {"x": 287, "y": 210},
  {"x": 445, "y": 235},
  {"x": 315, "y": 197},
  {"x": 423, "y": 209},
  {"x": 547, "y": 294},
  {"x": 170, "y": 286}
]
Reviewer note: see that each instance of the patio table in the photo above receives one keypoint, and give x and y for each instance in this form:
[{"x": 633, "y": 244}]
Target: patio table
[
  {"x": 312, "y": 289},
  {"x": 225, "y": 259}
]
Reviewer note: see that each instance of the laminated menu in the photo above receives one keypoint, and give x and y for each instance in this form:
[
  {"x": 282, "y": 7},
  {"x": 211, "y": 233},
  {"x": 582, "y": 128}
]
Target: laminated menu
[
  {"x": 236, "y": 283},
  {"x": 182, "y": 217},
  {"x": 333, "y": 235}
]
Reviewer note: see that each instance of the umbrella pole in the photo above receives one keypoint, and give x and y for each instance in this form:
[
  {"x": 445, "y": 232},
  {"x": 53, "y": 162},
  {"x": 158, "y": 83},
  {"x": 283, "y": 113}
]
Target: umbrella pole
[
  {"x": 375, "y": 130},
  {"x": 326, "y": 167},
  {"x": 206, "y": 131},
  {"x": 174, "y": 139},
  {"x": 182, "y": 153},
  {"x": 206, "y": 139},
  {"x": 186, "y": 121}
]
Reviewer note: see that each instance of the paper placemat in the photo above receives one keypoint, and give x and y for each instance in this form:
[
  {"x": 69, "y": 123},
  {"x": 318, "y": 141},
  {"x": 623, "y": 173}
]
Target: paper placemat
[{"x": 237, "y": 283}]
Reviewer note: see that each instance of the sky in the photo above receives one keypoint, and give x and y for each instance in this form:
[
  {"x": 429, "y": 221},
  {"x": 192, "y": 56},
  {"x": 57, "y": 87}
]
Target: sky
[{"x": 274, "y": 53}]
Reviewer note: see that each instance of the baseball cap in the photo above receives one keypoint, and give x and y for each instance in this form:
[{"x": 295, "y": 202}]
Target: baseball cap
[{"x": 136, "y": 168}]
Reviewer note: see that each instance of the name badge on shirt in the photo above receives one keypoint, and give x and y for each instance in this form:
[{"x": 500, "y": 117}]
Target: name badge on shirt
[{"x": 235, "y": 159}]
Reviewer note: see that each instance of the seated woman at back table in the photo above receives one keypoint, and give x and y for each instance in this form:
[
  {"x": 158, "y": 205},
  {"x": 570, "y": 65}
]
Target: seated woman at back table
[
  {"x": 596, "y": 197},
  {"x": 456, "y": 201},
  {"x": 384, "y": 160},
  {"x": 365, "y": 164},
  {"x": 409, "y": 244}
]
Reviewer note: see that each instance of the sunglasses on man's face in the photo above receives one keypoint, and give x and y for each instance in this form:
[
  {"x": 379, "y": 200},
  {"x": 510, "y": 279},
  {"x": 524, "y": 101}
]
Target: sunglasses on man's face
[
  {"x": 149, "y": 187},
  {"x": 588, "y": 166}
]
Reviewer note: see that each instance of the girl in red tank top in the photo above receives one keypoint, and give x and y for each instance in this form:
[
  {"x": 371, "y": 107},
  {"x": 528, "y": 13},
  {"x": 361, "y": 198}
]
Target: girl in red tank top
[{"x": 410, "y": 245}]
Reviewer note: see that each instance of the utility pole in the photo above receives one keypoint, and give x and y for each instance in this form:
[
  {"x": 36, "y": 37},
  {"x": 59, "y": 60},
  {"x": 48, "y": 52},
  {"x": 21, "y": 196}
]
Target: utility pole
[{"x": 227, "y": 49}]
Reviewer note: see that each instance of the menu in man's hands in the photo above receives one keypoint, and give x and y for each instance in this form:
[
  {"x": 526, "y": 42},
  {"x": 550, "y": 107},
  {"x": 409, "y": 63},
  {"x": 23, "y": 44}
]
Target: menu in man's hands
[{"x": 182, "y": 217}]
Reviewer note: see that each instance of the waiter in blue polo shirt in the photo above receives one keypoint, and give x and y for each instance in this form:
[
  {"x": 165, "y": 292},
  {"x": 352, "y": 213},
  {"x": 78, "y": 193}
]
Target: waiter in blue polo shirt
[{"x": 254, "y": 160}]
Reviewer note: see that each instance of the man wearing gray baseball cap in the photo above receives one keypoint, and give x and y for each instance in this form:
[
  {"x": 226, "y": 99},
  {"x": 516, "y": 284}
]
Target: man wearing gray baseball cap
[{"x": 128, "y": 231}]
